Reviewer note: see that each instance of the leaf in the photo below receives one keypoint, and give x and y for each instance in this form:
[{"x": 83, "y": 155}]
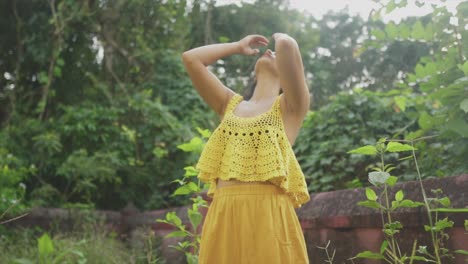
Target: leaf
[
  {"x": 394, "y": 225},
  {"x": 177, "y": 233},
  {"x": 410, "y": 204},
  {"x": 45, "y": 245},
  {"x": 190, "y": 171},
  {"x": 404, "y": 31},
  {"x": 390, "y": 232},
  {"x": 379, "y": 34},
  {"x": 392, "y": 30},
  {"x": 195, "y": 144},
  {"x": 370, "y": 204},
  {"x": 461, "y": 251},
  {"x": 369, "y": 255},
  {"x": 223, "y": 39},
  {"x": 399, "y": 195},
  {"x": 57, "y": 71},
  {"x": 442, "y": 224},
  {"x": 398, "y": 147},
  {"x": 390, "y": 6},
  {"x": 186, "y": 189},
  {"x": 445, "y": 201},
  {"x": 366, "y": 150},
  {"x": 458, "y": 126},
  {"x": 205, "y": 133},
  {"x": 60, "y": 62},
  {"x": 370, "y": 194},
  {"x": 464, "y": 68},
  {"x": 400, "y": 101},
  {"x": 171, "y": 217},
  {"x": 418, "y": 31},
  {"x": 425, "y": 121},
  {"x": 383, "y": 246},
  {"x": 378, "y": 177},
  {"x": 464, "y": 103},
  {"x": 391, "y": 181},
  {"x": 195, "y": 218},
  {"x": 428, "y": 32}
]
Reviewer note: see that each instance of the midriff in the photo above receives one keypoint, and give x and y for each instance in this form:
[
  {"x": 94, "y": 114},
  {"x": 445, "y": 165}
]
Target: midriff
[{"x": 221, "y": 183}]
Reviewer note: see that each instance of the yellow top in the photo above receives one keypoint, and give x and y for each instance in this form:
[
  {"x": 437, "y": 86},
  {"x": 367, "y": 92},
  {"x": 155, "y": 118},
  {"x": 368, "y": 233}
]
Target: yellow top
[{"x": 252, "y": 149}]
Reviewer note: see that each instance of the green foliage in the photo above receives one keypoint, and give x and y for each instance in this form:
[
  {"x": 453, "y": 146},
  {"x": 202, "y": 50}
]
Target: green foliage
[
  {"x": 92, "y": 244},
  {"x": 126, "y": 99},
  {"x": 13, "y": 173},
  {"x": 328, "y": 134},
  {"x": 381, "y": 177},
  {"x": 191, "y": 243}
]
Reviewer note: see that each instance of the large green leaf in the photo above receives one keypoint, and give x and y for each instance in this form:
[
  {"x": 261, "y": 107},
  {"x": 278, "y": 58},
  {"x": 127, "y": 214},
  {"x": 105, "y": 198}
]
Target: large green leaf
[
  {"x": 370, "y": 194},
  {"x": 366, "y": 150},
  {"x": 398, "y": 147},
  {"x": 195, "y": 218},
  {"x": 45, "y": 245}
]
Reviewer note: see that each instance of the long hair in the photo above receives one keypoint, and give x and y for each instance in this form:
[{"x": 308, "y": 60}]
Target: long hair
[{"x": 250, "y": 88}]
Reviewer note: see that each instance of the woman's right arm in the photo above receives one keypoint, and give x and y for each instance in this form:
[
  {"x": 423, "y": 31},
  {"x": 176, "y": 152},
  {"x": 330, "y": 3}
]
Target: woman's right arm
[{"x": 210, "y": 88}]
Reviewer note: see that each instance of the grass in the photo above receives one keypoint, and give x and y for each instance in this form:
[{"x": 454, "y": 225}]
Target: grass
[{"x": 89, "y": 242}]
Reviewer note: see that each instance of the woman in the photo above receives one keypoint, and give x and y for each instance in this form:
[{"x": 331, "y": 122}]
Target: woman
[{"x": 255, "y": 179}]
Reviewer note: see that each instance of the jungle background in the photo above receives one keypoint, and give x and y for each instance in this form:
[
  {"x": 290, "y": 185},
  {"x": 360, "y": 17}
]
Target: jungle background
[{"x": 94, "y": 99}]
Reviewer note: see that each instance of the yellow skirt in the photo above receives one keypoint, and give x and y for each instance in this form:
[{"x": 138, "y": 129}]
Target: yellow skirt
[{"x": 251, "y": 224}]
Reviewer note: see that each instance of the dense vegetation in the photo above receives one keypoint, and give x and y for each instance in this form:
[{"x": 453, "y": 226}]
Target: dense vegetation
[{"x": 94, "y": 99}]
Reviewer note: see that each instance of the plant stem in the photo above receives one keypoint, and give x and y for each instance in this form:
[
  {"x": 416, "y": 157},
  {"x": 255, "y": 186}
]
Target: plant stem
[
  {"x": 434, "y": 242},
  {"x": 392, "y": 239}
]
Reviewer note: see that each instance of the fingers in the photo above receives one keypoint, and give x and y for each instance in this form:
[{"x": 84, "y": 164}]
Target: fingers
[{"x": 259, "y": 40}]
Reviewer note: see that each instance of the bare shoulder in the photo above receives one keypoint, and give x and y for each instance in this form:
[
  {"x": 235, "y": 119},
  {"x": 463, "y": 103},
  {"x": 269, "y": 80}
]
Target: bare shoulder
[{"x": 225, "y": 101}]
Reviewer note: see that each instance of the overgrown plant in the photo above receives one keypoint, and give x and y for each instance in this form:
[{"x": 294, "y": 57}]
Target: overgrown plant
[
  {"x": 380, "y": 177},
  {"x": 191, "y": 244},
  {"x": 49, "y": 255}
]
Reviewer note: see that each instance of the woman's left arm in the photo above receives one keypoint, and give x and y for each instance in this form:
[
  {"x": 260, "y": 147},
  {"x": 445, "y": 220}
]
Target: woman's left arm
[{"x": 291, "y": 74}]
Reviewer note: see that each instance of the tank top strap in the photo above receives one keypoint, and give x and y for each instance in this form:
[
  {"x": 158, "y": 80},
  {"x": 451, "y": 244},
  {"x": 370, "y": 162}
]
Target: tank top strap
[{"x": 233, "y": 102}]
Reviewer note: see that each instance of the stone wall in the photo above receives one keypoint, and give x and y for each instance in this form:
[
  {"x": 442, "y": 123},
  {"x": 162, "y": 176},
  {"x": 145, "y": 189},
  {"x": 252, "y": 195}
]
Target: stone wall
[{"x": 331, "y": 217}]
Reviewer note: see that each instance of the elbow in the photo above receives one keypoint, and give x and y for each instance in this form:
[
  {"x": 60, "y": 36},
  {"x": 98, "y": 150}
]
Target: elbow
[
  {"x": 287, "y": 44},
  {"x": 186, "y": 56}
]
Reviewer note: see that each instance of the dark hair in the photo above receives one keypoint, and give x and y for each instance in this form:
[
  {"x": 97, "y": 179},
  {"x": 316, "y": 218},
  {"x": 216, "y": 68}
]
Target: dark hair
[{"x": 250, "y": 89}]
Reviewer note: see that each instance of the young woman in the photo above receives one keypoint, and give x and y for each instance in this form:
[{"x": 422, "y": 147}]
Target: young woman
[{"x": 255, "y": 179}]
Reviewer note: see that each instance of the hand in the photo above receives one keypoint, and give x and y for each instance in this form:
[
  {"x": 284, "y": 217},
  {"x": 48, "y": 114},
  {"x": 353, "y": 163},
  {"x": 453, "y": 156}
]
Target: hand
[{"x": 247, "y": 43}]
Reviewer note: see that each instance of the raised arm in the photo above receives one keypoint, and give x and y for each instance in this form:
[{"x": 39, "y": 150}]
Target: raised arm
[
  {"x": 210, "y": 88},
  {"x": 291, "y": 74}
]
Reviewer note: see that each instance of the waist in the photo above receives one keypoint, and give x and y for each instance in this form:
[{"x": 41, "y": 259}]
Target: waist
[
  {"x": 221, "y": 183},
  {"x": 250, "y": 188}
]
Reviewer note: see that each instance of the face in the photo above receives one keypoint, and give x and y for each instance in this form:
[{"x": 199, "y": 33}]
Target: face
[{"x": 267, "y": 62}]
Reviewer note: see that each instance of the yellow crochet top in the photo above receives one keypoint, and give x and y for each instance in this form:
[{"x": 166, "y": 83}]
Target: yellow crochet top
[{"x": 252, "y": 149}]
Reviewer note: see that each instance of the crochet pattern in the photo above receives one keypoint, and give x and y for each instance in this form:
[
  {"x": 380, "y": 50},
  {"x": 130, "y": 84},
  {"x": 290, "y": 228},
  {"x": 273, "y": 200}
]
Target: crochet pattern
[{"x": 252, "y": 149}]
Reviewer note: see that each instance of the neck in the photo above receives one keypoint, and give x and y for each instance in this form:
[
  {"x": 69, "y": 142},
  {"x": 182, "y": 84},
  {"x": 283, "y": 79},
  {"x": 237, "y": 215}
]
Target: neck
[{"x": 267, "y": 87}]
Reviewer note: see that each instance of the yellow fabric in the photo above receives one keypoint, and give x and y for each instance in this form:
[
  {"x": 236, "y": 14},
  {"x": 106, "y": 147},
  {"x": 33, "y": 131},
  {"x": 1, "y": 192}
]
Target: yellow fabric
[
  {"x": 252, "y": 149},
  {"x": 252, "y": 224}
]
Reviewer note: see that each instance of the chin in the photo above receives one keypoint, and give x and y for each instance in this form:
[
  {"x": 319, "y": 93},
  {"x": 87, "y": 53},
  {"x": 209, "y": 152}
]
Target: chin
[{"x": 266, "y": 64}]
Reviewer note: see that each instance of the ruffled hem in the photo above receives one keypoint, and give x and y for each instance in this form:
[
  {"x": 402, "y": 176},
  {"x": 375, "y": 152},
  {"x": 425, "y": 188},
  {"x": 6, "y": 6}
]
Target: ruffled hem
[{"x": 298, "y": 198}]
